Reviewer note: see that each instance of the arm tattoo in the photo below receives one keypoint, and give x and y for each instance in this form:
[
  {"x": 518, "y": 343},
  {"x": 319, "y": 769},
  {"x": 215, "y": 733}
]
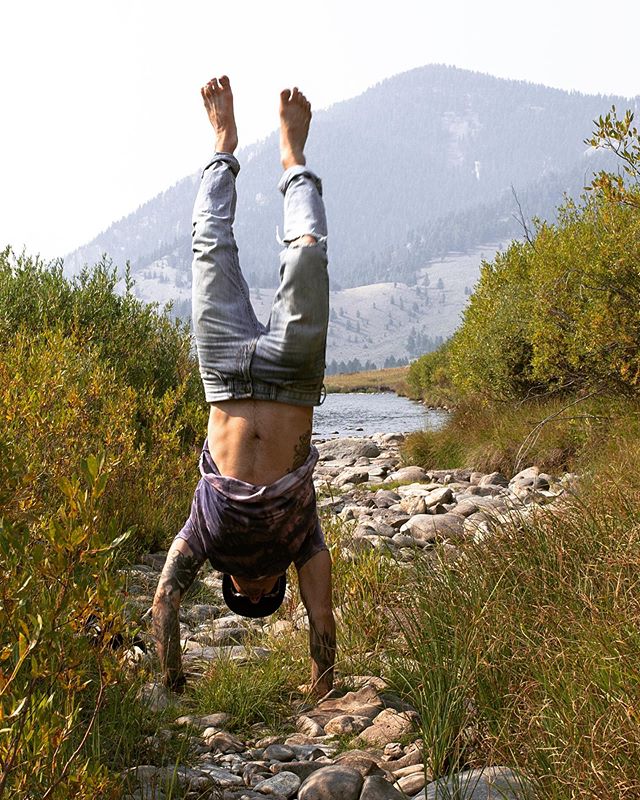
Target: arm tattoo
[
  {"x": 177, "y": 577},
  {"x": 182, "y": 571},
  {"x": 301, "y": 450},
  {"x": 322, "y": 647}
]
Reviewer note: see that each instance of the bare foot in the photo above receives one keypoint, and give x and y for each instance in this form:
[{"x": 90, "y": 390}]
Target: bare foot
[
  {"x": 295, "y": 118},
  {"x": 218, "y": 100}
]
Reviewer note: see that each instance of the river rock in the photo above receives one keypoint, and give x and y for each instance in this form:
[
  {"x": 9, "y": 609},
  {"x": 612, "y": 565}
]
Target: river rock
[
  {"x": 407, "y": 475},
  {"x": 530, "y": 478},
  {"x": 223, "y": 742},
  {"x": 363, "y": 761},
  {"x": 376, "y": 787},
  {"x": 438, "y": 496},
  {"x": 284, "y": 783},
  {"x": 488, "y": 783},
  {"x": 389, "y": 726},
  {"x": 309, "y": 726},
  {"x": 352, "y": 475},
  {"x": 332, "y": 783},
  {"x": 348, "y": 447},
  {"x": 413, "y": 505},
  {"x": 278, "y": 752},
  {"x": 154, "y": 696},
  {"x": 365, "y": 702},
  {"x": 384, "y": 498},
  {"x": 493, "y": 479},
  {"x": 413, "y": 782},
  {"x": 300, "y": 768},
  {"x": 347, "y": 725},
  {"x": 429, "y": 527}
]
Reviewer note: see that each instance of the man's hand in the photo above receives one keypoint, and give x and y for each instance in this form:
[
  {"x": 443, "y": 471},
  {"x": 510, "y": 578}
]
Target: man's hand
[
  {"x": 178, "y": 574},
  {"x": 315, "y": 589}
]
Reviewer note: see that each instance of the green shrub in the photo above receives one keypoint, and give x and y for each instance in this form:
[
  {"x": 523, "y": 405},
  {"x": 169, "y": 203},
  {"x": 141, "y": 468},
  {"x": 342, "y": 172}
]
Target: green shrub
[
  {"x": 59, "y": 401},
  {"x": 59, "y": 679},
  {"x": 429, "y": 377}
]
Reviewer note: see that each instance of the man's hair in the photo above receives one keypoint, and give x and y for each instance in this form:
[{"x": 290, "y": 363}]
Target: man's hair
[{"x": 241, "y": 604}]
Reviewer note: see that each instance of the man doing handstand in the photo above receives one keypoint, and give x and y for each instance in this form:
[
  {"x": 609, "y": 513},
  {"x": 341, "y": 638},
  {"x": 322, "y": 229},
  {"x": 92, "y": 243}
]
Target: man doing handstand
[{"x": 254, "y": 509}]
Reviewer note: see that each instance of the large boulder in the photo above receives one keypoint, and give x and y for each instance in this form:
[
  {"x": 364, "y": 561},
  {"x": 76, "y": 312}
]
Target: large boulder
[
  {"x": 488, "y": 783},
  {"x": 348, "y": 447},
  {"x": 332, "y": 783},
  {"x": 378, "y": 788},
  {"x": 430, "y": 527}
]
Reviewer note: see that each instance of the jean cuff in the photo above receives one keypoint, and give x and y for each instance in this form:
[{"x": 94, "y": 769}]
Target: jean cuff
[
  {"x": 298, "y": 169},
  {"x": 225, "y": 158}
]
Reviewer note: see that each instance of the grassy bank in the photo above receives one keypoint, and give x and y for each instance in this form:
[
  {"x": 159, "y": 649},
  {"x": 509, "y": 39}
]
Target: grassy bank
[
  {"x": 526, "y": 652},
  {"x": 393, "y": 379}
]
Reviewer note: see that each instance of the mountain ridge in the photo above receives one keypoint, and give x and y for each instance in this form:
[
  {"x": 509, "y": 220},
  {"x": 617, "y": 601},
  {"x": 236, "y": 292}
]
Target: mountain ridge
[{"x": 423, "y": 164}]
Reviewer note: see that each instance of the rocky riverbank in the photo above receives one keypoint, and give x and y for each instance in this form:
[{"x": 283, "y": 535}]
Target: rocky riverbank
[{"x": 401, "y": 510}]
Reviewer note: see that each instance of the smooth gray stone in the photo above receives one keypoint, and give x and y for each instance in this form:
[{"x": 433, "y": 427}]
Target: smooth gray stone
[
  {"x": 284, "y": 783},
  {"x": 300, "y": 768},
  {"x": 384, "y": 498},
  {"x": 407, "y": 475},
  {"x": 488, "y": 783},
  {"x": 493, "y": 479},
  {"x": 375, "y": 787},
  {"x": 278, "y": 752},
  {"x": 442, "y": 495},
  {"x": 332, "y": 783},
  {"x": 348, "y": 447},
  {"x": 429, "y": 527}
]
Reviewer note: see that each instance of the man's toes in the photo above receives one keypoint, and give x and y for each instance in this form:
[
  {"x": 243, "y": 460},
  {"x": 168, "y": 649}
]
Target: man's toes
[
  {"x": 285, "y": 95},
  {"x": 225, "y": 82}
]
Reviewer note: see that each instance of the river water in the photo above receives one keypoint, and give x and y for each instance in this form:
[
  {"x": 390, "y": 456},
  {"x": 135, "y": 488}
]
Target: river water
[{"x": 362, "y": 414}]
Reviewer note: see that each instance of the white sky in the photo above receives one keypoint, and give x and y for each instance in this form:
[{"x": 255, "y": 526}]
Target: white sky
[{"x": 100, "y": 101}]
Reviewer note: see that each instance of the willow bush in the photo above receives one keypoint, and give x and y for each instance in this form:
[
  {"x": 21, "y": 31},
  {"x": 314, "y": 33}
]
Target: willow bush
[
  {"x": 559, "y": 312},
  {"x": 101, "y": 415}
]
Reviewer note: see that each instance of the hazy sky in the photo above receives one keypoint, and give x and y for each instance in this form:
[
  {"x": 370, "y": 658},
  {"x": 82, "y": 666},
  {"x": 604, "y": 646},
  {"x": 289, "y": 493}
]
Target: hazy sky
[{"x": 100, "y": 101}]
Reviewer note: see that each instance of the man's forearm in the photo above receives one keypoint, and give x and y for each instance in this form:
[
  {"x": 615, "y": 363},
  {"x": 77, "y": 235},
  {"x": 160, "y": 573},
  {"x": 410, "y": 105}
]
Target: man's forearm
[
  {"x": 166, "y": 628},
  {"x": 322, "y": 647}
]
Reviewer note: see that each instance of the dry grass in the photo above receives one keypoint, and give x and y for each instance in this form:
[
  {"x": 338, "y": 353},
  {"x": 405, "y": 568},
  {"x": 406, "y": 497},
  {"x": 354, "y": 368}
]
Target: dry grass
[{"x": 393, "y": 379}]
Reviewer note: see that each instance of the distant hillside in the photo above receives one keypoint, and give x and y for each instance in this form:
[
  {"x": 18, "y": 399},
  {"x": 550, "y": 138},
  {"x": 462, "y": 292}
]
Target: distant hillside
[{"x": 397, "y": 162}]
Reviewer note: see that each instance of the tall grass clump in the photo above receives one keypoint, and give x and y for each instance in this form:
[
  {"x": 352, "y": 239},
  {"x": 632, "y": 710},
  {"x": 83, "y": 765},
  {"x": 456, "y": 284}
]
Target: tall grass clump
[
  {"x": 526, "y": 650},
  {"x": 556, "y": 433}
]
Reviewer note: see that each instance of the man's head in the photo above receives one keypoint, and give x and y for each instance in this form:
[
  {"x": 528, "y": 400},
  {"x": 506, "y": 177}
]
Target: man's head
[{"x": 254, "y": 597}]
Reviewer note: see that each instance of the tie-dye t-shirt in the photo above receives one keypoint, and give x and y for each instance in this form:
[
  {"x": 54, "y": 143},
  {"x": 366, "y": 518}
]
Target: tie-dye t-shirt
[{"x": 254, "y": 531}]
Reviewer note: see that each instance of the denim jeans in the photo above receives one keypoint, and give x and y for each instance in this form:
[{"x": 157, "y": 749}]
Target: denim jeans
[{"x": 238, "y": 356}]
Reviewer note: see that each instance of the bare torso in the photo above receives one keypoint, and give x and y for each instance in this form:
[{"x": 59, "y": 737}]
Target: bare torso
[{"x": 259, "y": 441}]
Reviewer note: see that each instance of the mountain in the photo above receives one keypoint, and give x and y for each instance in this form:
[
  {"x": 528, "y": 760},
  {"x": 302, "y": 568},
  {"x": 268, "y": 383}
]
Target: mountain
[{"x": 426, "y": 163}]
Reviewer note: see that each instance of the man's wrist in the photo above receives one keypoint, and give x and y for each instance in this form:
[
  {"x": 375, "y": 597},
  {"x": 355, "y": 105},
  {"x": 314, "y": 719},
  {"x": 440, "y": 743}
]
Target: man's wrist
[{"x": 175, "y": 681}]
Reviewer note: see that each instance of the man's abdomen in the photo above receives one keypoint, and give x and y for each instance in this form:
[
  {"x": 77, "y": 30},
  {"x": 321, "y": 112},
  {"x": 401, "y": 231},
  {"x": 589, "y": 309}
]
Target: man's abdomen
[{"x": 259, "y": 441}]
